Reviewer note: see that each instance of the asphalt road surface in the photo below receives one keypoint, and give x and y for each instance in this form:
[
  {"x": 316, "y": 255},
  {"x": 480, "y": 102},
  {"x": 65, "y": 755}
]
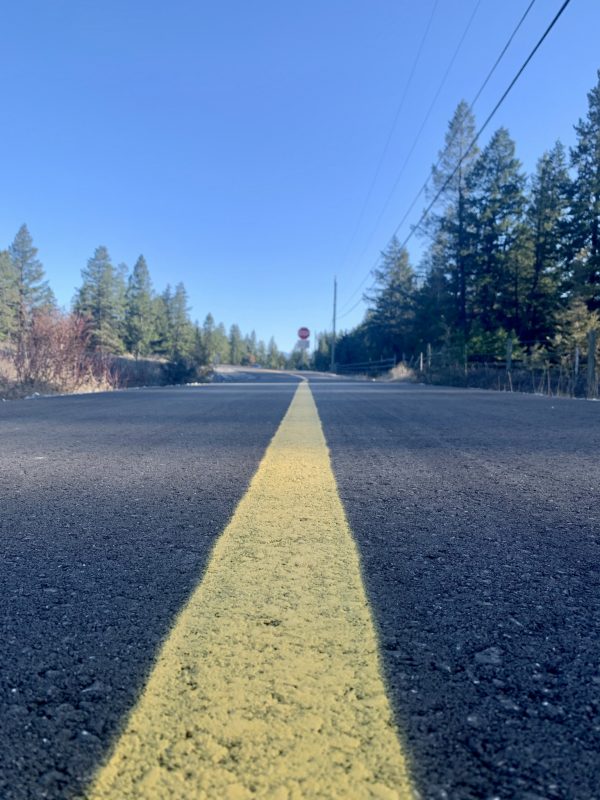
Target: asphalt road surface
[{"x": 476, "y": 516}]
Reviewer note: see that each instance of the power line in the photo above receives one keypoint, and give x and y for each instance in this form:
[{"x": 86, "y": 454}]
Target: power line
[
  {"x": 422, "y": 127},
  {"x": 425, "y": 185},
  {"x": 479, "y": 132},
  {"x": 471, "y": 105},
  {"x": 502, "y": 53},
  {"x": 487, "y": 121},
  {"x": 392, "y": 129}
]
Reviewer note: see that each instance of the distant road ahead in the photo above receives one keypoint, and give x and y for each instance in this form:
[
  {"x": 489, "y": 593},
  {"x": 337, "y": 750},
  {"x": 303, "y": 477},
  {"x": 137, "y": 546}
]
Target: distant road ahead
[{"x": 476, "y": 517}]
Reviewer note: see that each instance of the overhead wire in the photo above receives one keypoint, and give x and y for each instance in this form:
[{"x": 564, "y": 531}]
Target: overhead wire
[
  {"x": 477, "y": 135},
  {"x": 471, "y": 106},
  {"x": 487, "y": 121},
  {"x": 388, "y": 141},
  {"x": 422, "y": 126}
]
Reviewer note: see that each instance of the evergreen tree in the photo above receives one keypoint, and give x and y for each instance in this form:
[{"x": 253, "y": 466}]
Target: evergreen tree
[
  {"x": 435, "y": 321},
  {"x": 495, "y": 214},
  {"x": 273, "y": 357},
  {"x": 9, "y": 298},
  {"x": 33, "y": 291},
  {"x": 250, "y": 347},
  {"x": 100, "y": 300},
  {"x": 139, "y": 310},
  {"x": 449, "y": 226},
  {"x": 321, "y": 358},
  {"x": 261, "y": 352},
  {"x": 182, "y": 332},
  {"x": 236, "y": 345},
  {"x": 162, "y": 344},
  {"x": 585, "y": 211},
  {"x": 389, "y": 323},
  {"x": 547, "y": 219},
  {"x": 209, "y": 338},
  {"x": 199, "y": 355},
  {"x": 221, "y": 345}
]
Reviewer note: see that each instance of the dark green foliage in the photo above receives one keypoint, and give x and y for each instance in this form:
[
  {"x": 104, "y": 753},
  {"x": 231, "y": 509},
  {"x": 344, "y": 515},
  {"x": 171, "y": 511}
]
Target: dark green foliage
[
  {"x": 389, "y": 324},
  {"x": 237, "y": 349},
  {"x": 507, "y": 257},
  {"x": 547, "y": 226},
  {"x": 181, "y": 329},
  {"x": 139, "y": 310},
  {"x": 9, "y": 298},
  {"x": 119, "y": 314},
  {"x": 101, "y": 301},
  {"x": 274, "y": 359},
  {"x": 495, "y": 211},
  {"x": 585, "y": 205},
  {"x": 32, "y": 291}
]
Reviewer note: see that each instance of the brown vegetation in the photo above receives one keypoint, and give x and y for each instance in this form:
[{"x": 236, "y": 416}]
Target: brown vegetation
[{"x": 53, "y": 355}]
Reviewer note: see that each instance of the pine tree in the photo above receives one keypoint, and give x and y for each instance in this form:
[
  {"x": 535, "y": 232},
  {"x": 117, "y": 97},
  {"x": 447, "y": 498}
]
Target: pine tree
[
  {"x": 33, "y": 291},
  {"x": 321, "y": 358},
  {"x": 236, "y": 345},
  {"x": 209, "y": 338},
  {"x": 250, "y": 347},
  {"x": 261, "y": 352},
  {"x": 100, "y": 300},
  {"x": 221, "y": 343},
  {"x": 449, "y": 227},
  {"x": 9, "y": 298},
  {"x": 161, "y": 344},
  {"x": 389, "y": 323},
  {"x": 182, "y": 332},
  {"x": 585, "y": 210},
  {"x": 139, "y": 310},
  {"x": 273, "y": 357},
  {"x": 547, "y": 219},
  {"x": 199, "y": 355},
  {"x": 494, "y": 211}
]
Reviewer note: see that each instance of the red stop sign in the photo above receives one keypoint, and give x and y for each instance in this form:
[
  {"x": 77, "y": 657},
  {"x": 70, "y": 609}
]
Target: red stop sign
[{"x": 303, "y": 333}]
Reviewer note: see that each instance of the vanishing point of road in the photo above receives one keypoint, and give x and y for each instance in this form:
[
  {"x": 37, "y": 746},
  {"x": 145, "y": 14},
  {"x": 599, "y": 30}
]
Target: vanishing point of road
[{"x": 273, "y": 587}]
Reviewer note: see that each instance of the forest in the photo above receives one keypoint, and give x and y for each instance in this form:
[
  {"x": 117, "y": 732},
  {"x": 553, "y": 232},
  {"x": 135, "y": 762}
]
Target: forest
[
  {"x": 509, "y": 278},
  {"x": 510, "y": 259},
  {"x": 115, "y": 312}
]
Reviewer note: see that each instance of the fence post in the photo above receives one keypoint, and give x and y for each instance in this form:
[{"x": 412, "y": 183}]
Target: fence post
[
  {"x": 421, "y": 361},
  {"x": 592, "y": 385},
  {"x": 509, "y": 349},
  {"x": 428, "y": 356}
]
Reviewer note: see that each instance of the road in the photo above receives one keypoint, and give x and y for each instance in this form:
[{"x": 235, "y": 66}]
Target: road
[{"x": 475, "y": 517}]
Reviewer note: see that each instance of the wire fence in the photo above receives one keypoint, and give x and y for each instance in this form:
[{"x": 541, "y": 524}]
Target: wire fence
[
  {"x": 569, "y": 370},
  {"x": 366, "y": 367}
]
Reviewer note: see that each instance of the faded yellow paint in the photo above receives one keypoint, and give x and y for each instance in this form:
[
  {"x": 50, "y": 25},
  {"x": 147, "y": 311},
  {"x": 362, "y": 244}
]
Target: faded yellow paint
[{"x": 269, "y": 684}]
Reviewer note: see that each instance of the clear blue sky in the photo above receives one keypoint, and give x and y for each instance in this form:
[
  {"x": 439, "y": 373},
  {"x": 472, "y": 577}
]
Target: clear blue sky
[{"x": 234, "y": 143}]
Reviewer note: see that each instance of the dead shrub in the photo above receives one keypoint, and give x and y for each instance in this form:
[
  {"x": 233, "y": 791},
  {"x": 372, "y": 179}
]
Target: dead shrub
[{"x": 53, "y": 355}]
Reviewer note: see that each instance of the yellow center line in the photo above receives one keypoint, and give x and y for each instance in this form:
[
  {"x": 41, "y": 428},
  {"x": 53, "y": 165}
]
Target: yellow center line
[{"x": 269, "y": 684}]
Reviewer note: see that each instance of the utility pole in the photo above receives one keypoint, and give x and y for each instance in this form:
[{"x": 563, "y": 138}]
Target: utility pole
[{"x": 334, "y": 321}]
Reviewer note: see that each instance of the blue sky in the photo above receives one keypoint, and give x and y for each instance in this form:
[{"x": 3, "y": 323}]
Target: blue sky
[{"x": 234, "y": 143}]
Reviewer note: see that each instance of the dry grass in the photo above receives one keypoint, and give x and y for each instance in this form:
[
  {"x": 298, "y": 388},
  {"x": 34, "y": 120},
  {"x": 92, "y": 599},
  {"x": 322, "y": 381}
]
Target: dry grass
[{"x": 401, "y": 373}]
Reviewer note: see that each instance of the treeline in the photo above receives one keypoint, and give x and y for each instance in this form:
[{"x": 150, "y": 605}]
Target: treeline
[
  {"x": 507, "y": 256},
  {"x": 114, "y": 312}
]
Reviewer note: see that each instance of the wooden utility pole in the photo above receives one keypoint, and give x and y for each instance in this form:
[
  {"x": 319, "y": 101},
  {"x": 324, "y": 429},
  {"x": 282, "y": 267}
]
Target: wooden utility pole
[{"x": 334, "y": 322}]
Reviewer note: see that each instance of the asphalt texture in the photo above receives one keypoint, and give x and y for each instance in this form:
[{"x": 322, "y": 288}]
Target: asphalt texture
[
  {"x": 110, "y": 505},
  {"x": 477, "y": 516},
  {"x": 477, "y": 519}
]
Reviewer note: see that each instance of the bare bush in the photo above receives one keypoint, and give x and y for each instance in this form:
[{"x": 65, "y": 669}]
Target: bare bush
[
  {"x": 402, "y": 372},
  {"x": 53, "y": 355}
]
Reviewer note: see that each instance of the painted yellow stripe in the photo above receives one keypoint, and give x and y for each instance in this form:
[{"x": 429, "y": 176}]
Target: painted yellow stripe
[{"x": 269, "y": 684}]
